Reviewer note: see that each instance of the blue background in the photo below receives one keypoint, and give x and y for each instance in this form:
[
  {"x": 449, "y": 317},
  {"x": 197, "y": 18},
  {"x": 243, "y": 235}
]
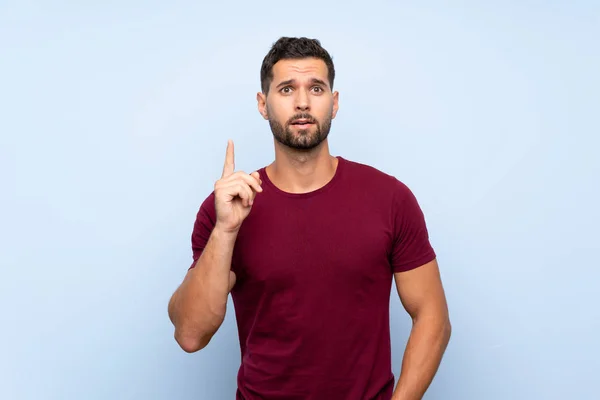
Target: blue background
[{"x": 114, "y": 118}]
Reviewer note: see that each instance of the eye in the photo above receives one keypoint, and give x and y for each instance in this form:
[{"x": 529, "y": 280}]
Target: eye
[
  {"x": 286, "y": 90},
  {"x": 318, "y": 89}
]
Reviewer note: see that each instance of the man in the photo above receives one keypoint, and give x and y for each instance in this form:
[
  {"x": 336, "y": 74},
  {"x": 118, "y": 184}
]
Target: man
[{"x": 308, "y": 246}]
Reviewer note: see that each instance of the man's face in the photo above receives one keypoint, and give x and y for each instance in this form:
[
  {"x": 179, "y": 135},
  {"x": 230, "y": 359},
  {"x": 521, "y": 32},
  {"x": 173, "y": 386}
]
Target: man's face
[{"x": 300, "y": 104}]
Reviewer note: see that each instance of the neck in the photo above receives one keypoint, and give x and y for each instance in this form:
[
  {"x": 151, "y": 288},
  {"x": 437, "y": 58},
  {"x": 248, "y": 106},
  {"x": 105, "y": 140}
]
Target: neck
[{"x": 295, "y": 171}]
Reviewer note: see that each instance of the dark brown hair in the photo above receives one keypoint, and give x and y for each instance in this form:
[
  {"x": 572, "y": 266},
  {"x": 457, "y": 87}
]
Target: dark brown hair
[{"x": 293, "y": 48}]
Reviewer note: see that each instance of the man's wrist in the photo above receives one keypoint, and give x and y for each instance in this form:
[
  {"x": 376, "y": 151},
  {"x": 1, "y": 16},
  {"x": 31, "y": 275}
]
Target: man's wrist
[{"x": 225, "y": 234}]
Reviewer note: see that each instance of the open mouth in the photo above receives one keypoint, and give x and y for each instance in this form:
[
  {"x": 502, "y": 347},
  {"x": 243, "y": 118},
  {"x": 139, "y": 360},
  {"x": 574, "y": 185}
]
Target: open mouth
[{"x": 302, "y": 123}]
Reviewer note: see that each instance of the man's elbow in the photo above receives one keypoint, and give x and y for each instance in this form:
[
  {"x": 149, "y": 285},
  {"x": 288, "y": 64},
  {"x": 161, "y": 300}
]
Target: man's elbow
[
  {"x": 447, "y": 331},
  {"x": 191, "y": 343},
  {"x": 436, "y": 323}
]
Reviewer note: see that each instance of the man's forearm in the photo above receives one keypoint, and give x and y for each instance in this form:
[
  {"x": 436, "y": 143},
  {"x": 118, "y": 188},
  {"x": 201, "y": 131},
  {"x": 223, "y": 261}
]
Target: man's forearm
[
  {"x": 426, "y": 345},
  {"x": 198, "y": 307}
]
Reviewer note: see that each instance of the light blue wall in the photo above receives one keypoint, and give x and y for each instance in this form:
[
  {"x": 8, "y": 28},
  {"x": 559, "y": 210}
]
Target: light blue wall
[{"x": 113, "y": 124}]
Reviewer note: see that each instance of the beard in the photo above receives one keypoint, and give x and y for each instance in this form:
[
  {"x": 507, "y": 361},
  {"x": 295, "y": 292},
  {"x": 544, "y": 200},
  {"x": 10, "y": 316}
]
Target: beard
[{"x": 303, "y": 139}]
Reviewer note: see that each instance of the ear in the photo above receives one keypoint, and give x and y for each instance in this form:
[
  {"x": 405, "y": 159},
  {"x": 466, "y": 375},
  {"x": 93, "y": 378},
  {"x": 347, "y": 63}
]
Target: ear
[
  {"x": 261, "y": 99},
  {"x": 336, "y": 105}
]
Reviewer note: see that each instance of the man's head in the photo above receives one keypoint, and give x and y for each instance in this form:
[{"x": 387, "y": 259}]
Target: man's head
[{"x": 297, "y": 95}]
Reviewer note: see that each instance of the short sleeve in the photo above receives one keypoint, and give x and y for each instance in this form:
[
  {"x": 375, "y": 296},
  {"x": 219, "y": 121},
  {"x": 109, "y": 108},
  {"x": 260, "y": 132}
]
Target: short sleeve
[
  {"x": 203, "y": 226},
  {"x": 411, "y": 244}
]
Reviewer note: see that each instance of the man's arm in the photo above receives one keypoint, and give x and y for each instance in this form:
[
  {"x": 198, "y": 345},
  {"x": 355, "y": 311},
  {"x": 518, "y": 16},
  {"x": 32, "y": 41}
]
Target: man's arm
[
  {"x": 197, "y": 308},
  {"x": 422, "y": 295}
]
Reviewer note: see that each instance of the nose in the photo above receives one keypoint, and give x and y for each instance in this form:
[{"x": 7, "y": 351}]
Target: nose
[{"x": 302, "y": 101}]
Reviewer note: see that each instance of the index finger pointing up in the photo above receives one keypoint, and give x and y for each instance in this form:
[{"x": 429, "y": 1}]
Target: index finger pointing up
[{"x": 229, "y": 166}]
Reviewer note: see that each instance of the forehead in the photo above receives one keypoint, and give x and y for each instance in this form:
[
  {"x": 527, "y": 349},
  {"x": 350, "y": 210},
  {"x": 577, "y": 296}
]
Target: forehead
[{"x": 304, "y": 68}]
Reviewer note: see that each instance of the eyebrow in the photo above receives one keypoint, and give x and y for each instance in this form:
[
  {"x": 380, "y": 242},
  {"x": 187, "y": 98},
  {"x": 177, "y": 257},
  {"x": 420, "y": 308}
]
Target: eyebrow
[{"x": 291, "y": 81}]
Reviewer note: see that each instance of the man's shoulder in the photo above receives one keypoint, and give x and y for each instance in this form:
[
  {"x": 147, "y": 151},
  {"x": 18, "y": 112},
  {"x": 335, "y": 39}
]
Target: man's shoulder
[
  {"x": 370, "y": 173},
  {"x": 376, "y": 180}
]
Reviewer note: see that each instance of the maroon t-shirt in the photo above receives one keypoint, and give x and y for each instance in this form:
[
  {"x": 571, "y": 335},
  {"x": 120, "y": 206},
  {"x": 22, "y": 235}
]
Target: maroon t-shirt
[{"x": 314, "y": 274}]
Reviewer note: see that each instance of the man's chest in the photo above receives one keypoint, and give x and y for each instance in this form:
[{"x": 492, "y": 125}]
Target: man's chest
[{"x": 304, "y": 247}]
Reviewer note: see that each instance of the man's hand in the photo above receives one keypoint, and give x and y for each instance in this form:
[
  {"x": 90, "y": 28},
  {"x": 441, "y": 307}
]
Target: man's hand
[{"x": 234, "y": 194}]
